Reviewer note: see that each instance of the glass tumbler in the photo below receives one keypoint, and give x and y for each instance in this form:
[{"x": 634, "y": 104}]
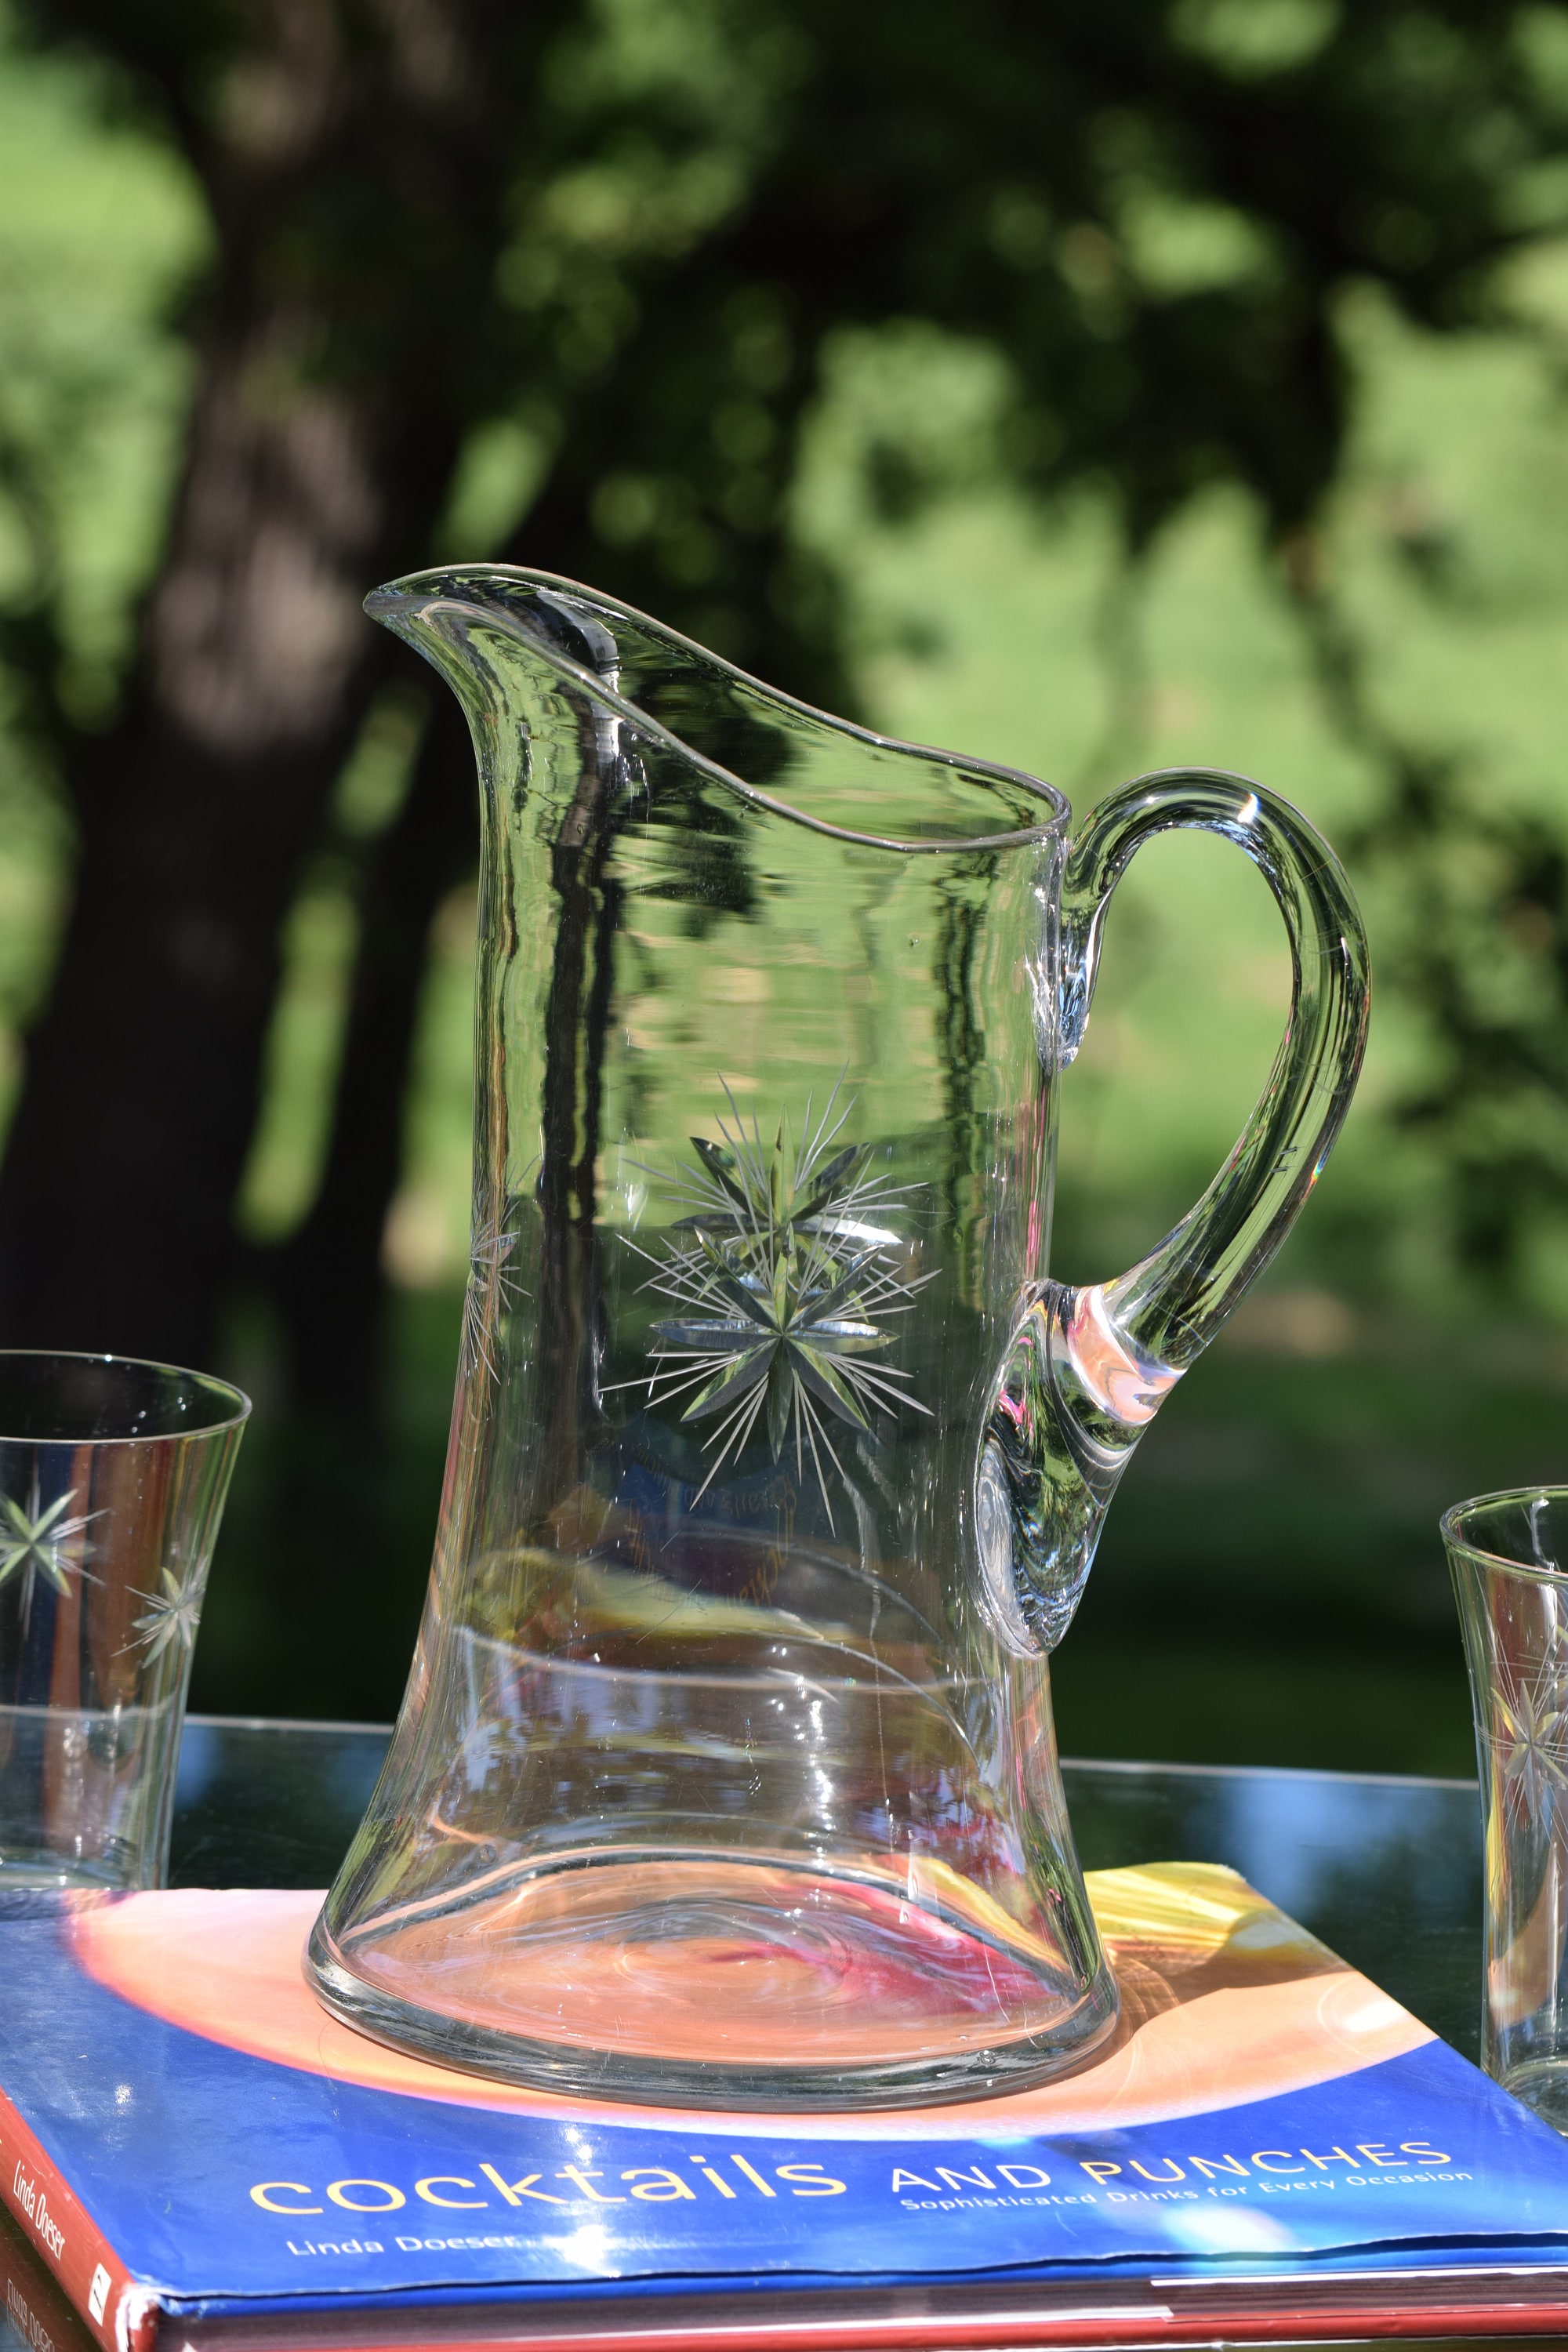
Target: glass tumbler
[
  {"x": 1507, "y": 1553},
  {"x": 112, "y": 1480}
]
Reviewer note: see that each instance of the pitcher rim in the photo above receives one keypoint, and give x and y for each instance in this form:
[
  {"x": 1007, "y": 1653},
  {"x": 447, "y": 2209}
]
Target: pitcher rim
[{"x": 438, "y": 584}]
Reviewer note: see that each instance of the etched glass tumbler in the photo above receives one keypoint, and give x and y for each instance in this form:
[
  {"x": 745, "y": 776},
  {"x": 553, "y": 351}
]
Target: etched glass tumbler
[
  {"x": 726, "y": 1772},
  {"x": 112, "y": 1479},
  {"x": 1508, "y": 1554}
]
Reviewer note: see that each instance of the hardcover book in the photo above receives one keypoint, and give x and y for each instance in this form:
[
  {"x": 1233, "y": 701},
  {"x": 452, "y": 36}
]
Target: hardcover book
[{"x": 1270, "y": 2147}]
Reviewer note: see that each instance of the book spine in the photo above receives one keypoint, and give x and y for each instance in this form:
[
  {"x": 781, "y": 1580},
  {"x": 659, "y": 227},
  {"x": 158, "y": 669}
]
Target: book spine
[{"x": 121, "y": 2313}]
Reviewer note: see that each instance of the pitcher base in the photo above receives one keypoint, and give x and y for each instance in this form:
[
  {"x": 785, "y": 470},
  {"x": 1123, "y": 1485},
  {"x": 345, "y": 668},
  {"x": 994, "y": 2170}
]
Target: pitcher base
[{"x": 714, "y": 1980}]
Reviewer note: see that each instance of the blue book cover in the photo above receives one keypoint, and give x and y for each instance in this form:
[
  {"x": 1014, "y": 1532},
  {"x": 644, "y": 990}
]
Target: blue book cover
[{"x": 186, "y": 2133}]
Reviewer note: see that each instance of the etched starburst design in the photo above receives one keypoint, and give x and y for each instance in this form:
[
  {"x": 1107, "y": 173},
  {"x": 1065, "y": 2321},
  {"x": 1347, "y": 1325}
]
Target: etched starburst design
[
  {"x": 171, "y": 1616},
  {"x": 781, "y": 1281},
  {"x": 36, "y": 1542},
  {"x": 491, "y": 1290},
  {"x": 1529, "y": 1728}
]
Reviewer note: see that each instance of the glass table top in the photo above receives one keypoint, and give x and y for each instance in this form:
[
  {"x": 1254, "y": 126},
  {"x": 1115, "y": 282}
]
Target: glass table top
[{"x": 1386, "y": 1871}]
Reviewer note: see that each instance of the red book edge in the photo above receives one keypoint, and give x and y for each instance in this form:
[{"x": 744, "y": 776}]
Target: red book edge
[
  {"x": 1117, "y": 2328},
  {"x": 1130, "y": 2329},
  {"x": 121, "y": 2313}
]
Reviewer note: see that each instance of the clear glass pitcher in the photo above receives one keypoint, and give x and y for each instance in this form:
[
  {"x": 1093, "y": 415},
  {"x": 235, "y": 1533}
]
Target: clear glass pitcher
[{"x": 726, "y": 1772}]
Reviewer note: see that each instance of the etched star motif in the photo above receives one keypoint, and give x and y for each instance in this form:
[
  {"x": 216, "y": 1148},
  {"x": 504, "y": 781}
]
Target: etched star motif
[
  {"x": 491, "y": 1289},
  {"x": 1530, "y": 1733},
  {"x": 781, "y": 1280},
  {"x": 35, "y": 1542},
  {"x": 170, "y": 1615}
]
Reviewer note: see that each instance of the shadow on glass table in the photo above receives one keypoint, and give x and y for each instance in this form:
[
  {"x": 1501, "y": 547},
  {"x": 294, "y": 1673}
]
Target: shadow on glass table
[{"x": 1387, "y": 1871}]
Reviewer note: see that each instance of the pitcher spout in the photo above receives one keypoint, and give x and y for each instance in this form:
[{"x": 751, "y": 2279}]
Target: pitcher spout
[{"x": 528, "y": 656}]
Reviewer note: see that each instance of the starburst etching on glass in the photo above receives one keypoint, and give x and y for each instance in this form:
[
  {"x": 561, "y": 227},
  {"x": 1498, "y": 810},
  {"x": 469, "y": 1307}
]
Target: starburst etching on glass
[
  {"x": 492, "y": 1291},
  {"x": 171, "y": 1616},
  {"x": 1529, "y": 1728},
  {"x": 781, "y": 1282},
  {"x": 35, "y": 1542}
]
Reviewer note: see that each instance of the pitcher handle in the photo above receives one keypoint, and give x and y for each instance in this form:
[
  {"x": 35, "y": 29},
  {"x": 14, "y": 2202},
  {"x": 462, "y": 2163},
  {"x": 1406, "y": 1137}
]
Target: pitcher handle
[
  {"x": 1087, "y": 1370},
  {"x": 1165, "y": 1310}
]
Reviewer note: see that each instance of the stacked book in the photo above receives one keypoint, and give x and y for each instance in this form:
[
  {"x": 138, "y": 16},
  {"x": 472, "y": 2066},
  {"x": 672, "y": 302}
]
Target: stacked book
[{"x": 1269, "y": 2150}]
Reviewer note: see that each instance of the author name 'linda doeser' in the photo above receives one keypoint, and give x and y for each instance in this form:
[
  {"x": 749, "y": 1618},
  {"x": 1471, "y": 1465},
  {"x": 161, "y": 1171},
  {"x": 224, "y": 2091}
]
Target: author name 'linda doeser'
[
  {"x": 29, "y": 2198},
  {"x": 734, "y": 2176}
]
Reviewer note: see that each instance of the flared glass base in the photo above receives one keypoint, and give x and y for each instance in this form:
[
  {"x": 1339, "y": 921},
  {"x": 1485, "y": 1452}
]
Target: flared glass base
[
  {"x": 723, "y": 1981},
  {"x": 27, "y": 1874},
  {"x": 1542, "y": 2085}
]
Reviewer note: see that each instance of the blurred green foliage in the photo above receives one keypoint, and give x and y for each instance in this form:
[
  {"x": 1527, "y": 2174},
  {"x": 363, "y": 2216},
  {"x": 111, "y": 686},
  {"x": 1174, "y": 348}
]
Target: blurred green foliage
[
  {"x": 1355, "y": 587},
  {"x": 99, "y": 231}
]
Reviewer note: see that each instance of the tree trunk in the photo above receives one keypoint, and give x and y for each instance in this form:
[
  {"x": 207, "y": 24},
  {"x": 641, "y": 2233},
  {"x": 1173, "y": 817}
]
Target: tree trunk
[
  {"x": 355, "y": 160},
  {"x": 327, "y": 1277}
]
